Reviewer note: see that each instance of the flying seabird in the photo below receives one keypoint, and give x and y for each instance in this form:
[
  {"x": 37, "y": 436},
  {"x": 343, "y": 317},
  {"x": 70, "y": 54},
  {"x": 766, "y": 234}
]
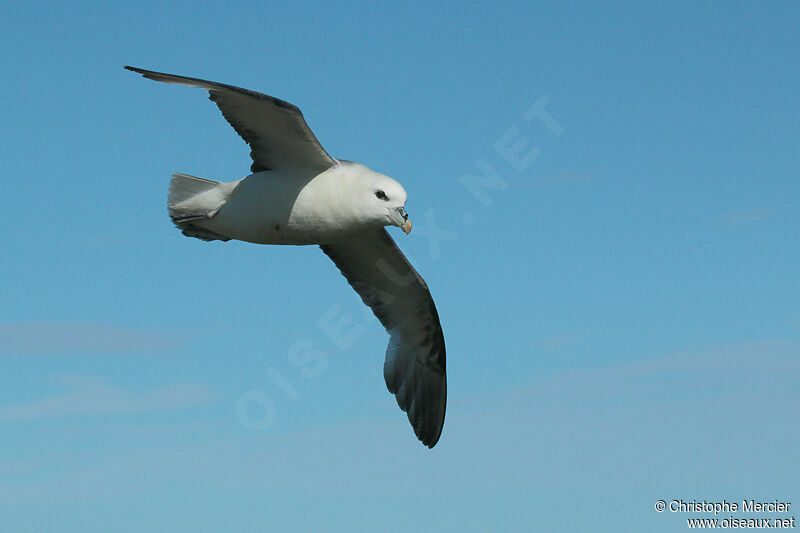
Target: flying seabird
[{"x": 298, "y": 194}]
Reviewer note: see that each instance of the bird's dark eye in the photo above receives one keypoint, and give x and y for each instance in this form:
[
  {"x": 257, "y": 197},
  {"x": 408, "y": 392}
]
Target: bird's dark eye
[{"x": 381, "y": 195}]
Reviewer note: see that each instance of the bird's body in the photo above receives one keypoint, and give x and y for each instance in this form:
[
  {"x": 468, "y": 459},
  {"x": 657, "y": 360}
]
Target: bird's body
[
  {"x": 283, "y": 207},
  {"x": 298, "y": 194}
]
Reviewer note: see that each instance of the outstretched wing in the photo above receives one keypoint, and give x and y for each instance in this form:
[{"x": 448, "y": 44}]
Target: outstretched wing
[
  {"x": 415, "y": 359},
  {"x": 275, "y": 130}
]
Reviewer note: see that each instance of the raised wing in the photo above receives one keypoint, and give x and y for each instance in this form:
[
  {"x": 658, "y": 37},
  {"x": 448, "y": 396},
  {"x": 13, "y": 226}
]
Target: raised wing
[
  {"x": 415, "y": 359},
  {"x": 275, "y": 130}
]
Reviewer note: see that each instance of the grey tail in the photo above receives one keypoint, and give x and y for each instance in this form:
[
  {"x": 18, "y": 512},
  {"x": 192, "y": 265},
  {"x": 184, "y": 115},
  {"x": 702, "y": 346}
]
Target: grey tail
[{"x": 192, "y": 199}]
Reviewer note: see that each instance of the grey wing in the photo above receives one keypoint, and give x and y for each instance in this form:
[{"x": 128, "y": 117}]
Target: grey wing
[
  {"x": 415, "y": 359},
  {"x": 275, "y": 130}
]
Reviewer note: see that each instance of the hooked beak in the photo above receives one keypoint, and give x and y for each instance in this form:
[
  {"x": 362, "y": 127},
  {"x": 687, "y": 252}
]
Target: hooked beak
[{"x": 399, "y": 218}]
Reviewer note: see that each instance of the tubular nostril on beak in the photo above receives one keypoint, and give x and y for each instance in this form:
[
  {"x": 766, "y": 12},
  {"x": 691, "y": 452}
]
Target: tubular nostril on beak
[{"x": 399, "y": 218}]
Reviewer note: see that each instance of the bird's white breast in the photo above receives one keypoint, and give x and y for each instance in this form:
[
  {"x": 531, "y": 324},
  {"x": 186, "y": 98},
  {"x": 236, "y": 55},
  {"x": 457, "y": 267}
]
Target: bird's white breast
[{"x": 279, "y": 207}]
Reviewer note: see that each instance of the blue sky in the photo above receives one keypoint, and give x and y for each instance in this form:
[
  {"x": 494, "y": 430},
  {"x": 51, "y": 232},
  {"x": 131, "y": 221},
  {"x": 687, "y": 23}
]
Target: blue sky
[{"x": 620, "y": 303}]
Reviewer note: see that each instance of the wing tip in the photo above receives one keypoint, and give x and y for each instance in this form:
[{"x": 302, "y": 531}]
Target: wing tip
[
  {"x": 149, "y": 74},
  {"x": 430, "y": 438},
  {"x": 431, "y": 442},
  {"x": 427, "y": 433}
]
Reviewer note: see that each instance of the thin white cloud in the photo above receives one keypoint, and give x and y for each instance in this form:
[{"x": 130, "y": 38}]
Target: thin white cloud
[
  {"x": 719, "y": 370},
  {"x": 613, "y": 428},
  {"x": 95, "y": 396},
  {"x": 557, "y": 342},
  {"x": 43, "y": 338},
  {"x": 744, "y": 217}
]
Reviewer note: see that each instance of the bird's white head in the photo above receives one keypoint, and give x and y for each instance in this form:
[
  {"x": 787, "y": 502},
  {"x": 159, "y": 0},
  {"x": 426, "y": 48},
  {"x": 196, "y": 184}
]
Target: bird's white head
[{"x": 384, "y": 199}]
